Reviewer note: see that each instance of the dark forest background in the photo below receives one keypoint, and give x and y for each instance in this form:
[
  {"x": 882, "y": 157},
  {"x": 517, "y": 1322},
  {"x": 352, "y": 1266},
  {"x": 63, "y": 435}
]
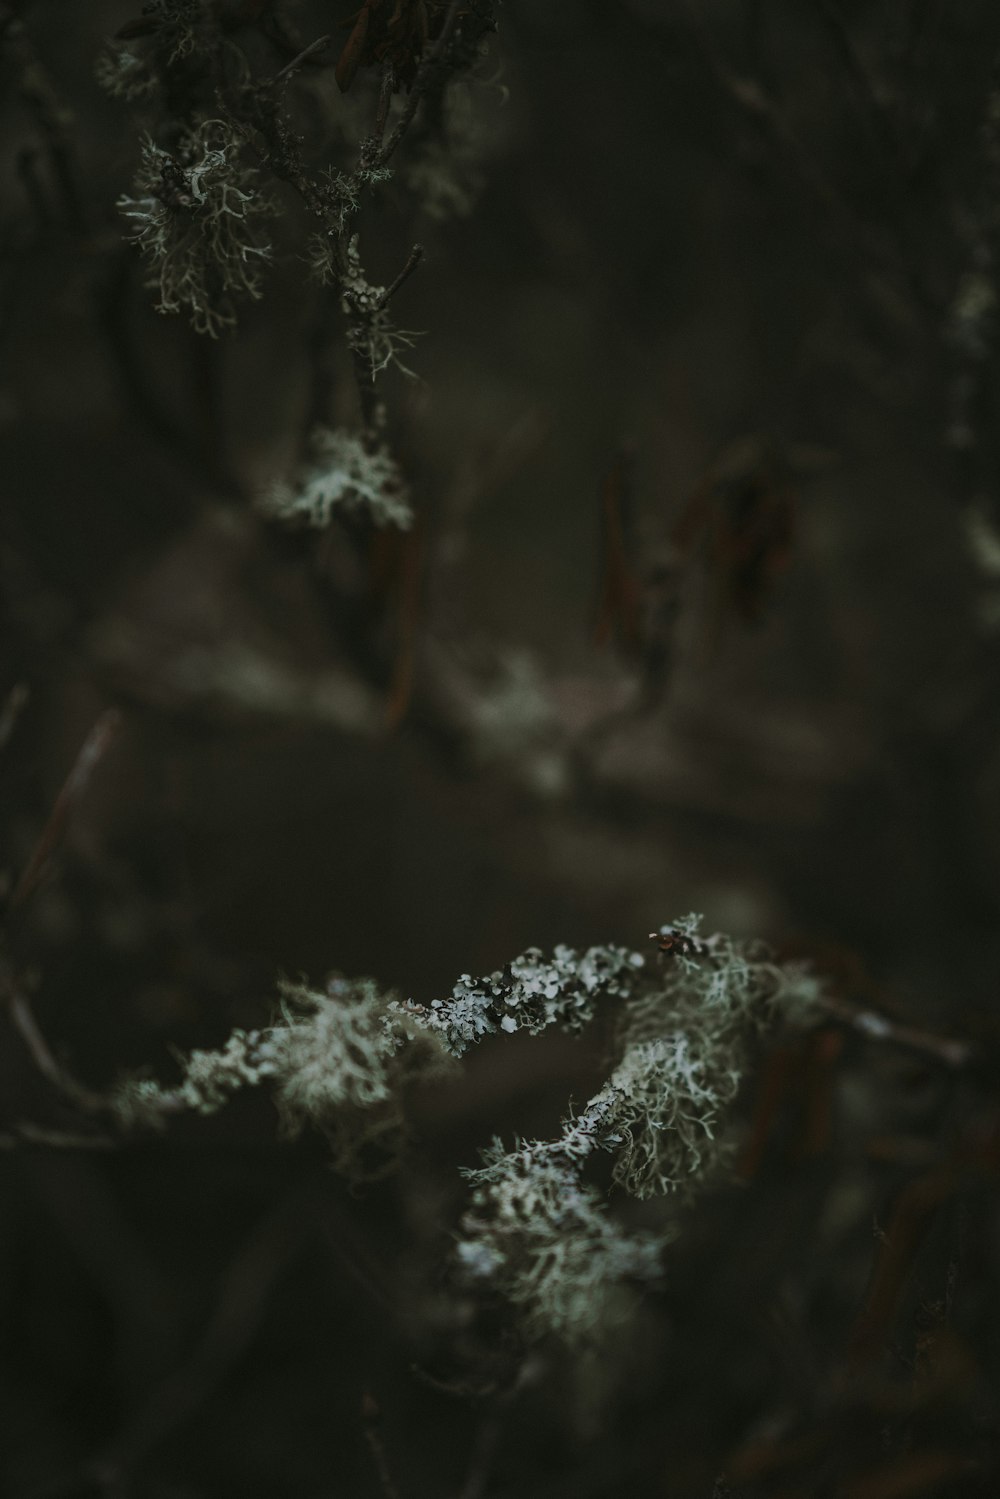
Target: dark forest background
[{"x": 703, "y": 613}]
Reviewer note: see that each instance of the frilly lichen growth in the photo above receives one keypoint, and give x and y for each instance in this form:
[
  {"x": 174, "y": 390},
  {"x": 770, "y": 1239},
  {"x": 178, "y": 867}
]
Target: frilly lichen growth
[
  {"x": 683, "y": 1055},
  {"x": 539, "y": 1235},
  {"x": 196, "y": 215},
  {"x": 337, "y": 1061},
  {"x": 536, "y": 1230},
  {"x": 682, "y": 1045},
  {"x": 347, "y": 473}
]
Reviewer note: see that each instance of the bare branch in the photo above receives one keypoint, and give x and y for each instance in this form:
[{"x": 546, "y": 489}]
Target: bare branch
[
  {"x": 416, "y": 255},
  {"x": 95, "y": 746},
  {"x": 23, "y": 1019},
  {"x": 944, "y": 1049},
  {"x": 303, "y": 56}
]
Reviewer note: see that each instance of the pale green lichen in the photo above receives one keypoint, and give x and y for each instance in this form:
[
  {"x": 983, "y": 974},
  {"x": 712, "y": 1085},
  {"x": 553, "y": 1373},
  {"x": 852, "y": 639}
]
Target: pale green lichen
[
  {"x": 539, "y": 1236},
  {"x": 123, "y": 74},
  {"x": 531, "y": 993},
  {"x": 337, "y": 1061},
  {"x": 346, "y": 1059},
  {"x": 347, "y": 473},
  {"x": 196, "y": 215},
  {"x": 683, "y": 1054},
  {"x": 536, "y": 1227},
  {"x": 536, "y": 1230}
]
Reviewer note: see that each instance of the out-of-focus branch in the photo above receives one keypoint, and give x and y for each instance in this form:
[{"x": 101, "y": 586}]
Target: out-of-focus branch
[
  {"x": 425, "y": 77},
  {"x": 26, "y": 1134},
  {"x": 24, "y": 1022},
  {"x": 12, "y": 993},
  {"x": 371, "y": 1415},
  {"x": 951, "y": 1052},
  {"x": 11, "y": 712},
  {"x": 95, "y": 746}
]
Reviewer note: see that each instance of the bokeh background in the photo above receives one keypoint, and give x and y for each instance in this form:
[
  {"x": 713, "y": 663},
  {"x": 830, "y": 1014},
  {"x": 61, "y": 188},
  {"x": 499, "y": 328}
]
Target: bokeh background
[{"x": 721, "y": 263}]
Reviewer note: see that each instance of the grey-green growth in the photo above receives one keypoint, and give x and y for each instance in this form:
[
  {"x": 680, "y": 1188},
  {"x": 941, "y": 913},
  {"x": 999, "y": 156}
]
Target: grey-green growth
[
  {"x": 196, "y": 215},
  {"x": 531, "y": 993},
  {"x": 661, "y": 1115},
  {"x": 536, "y": 1231},
  {"x": 347, "y": 474},
  {"x": 338, "y": 1061}
]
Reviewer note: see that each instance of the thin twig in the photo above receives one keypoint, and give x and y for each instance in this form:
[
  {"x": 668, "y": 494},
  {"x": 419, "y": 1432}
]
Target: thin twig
[
  {"x": 24, "y": 1022},
  {"x": 371, "y": 1416},
  {"x": 264, "y": 1257},
  {"x": 303, "y": 56},
  {"x": 95, "y": 746},
  {"x": 414, "y": 258},
  {"x": 11, "y": 712},
  {"x": 859, "y": 76},
  {"x": 950, "y": 1051},
  {"x": 26, "y": 1134}
]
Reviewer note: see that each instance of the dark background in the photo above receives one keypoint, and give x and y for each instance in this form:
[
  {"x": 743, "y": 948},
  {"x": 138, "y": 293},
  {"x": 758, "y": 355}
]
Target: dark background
[{"x": 705, "y": 234}]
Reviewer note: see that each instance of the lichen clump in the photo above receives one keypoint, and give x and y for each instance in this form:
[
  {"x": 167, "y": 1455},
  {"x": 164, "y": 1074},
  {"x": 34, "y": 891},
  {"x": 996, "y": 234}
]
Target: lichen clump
[
  {"x": 338, "y": 1061},
  {"x": 348, "y": 473},
  {"x": 197, "y": 214},
  {"x": 536, "y": 1231},
  {"x": 682, "y": 1047}
]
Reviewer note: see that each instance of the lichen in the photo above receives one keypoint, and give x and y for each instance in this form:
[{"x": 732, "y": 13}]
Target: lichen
[
  {"x": 196, "y": 215},
  {"x": 347, "y": 473},
  {"x": 539, "y": 1236},
  {"x": 531, "y": 993}
]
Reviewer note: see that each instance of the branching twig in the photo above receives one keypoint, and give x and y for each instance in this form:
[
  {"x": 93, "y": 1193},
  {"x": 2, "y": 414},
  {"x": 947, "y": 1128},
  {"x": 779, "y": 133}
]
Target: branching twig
[{"x": 416, "y": 255}]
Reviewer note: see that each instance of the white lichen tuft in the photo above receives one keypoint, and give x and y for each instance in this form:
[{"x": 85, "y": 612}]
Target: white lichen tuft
[
  {"x": 346, "y": 1058},
  {"x": 347, "y": 474},
  {"x": 539, "y": 1236},
  {"x": 683, "y": 1054},
  {"x": 338, "y": 1061},
  {"x": 196, "y": 215}
]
